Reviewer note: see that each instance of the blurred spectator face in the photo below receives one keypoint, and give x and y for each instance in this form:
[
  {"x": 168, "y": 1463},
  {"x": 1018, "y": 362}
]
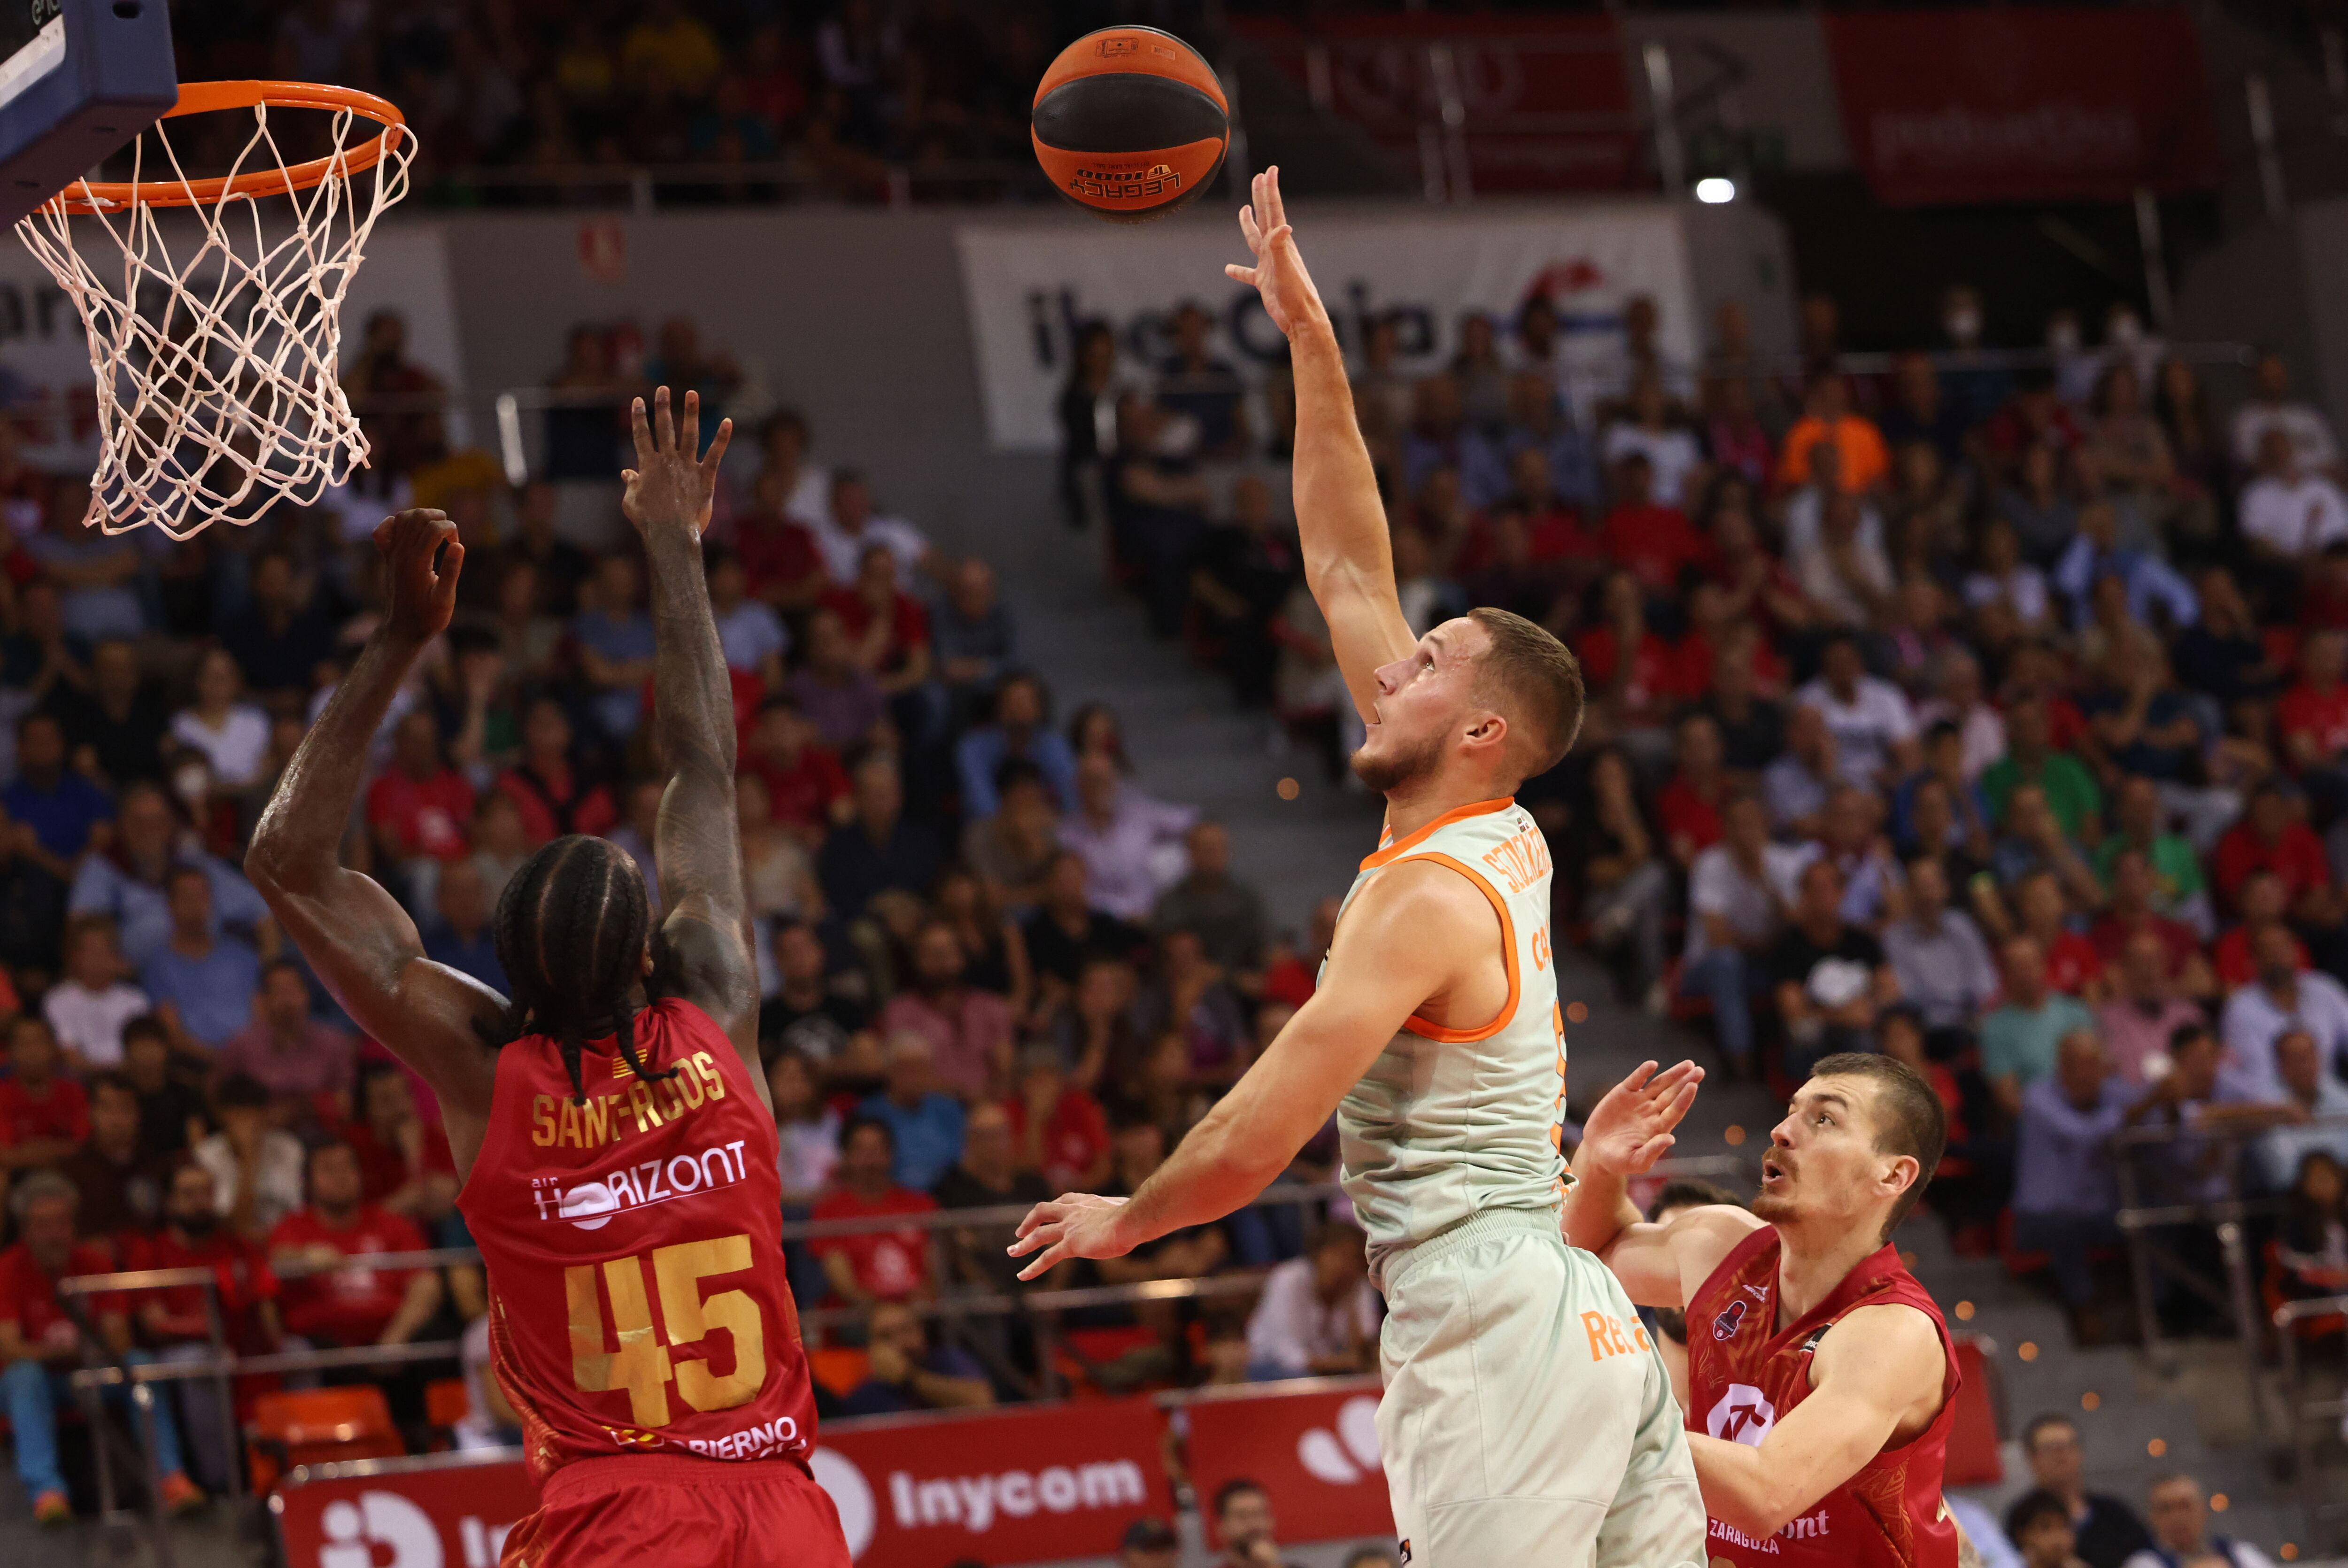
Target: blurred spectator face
[
  {"x": 2023, "y": 964},
  {"x": 2271, "y": 812},
  {"x": 644, "y": 807},
  {"x": 273, "y": 583},
  {"x": 114, "y": 1120},
  {"x": 2046, "y": 1541},
  {"x": 216, "y": 680},
  {"x": 390, "y": 1103},
  {"x": 1529, "y": 472},
  {"x": 2195, "y": 1065},
  {"x": 190, "y": 903},
  {"x": 1019, "y": 704},
  {"x": 852, "y": 503},
  {"x": 1097, "y": 784},
  {"x": 1819, "y": 902},
  {"x": 1188, "y": 332},
  {"x": 416, "y": 745},
  {"x": 334, "y": 1177},
  {"x": 498, "y": 826},
  {"x": 48, "y": 1230},
  {"x": 190, "y": 1204},
  {"x": 2139, "y": 809},
  {"x": 986, "y": 1143},
  {"x": 462, "y": 897},
  {"x": 518, "y": 593},
  {"x": 1808, "y": 737},
  {"x": 2177, "y": 1512},
  {"x": 546, "y": 733},
  {"x": 615, "y": 584},
  {"x": 31, "y": 1050},
  {"x": 1624, "y": 601},
  {"x": 866, "y": 1159},
  {"x": 96, "y": 961},
  {"x": 727, "y": 583},
  {"x": 1927, "y": 888},
  {"x": 1140, "y": 1150},
  {"x": 1244, "y": 1520},
  {"x": 792, "y": 1087},
  {"x": 1098, "y": 734},
  {"x": 2272, "y": 378},
  {"x": 1210, "y": 850},
  {"x": 876, "y": 576},
  {"x": 1745, "y": 825},
  {"x": 972, "y": 590},
  {"x": 2133, "y": 885},
  {"x": 938, "y": 958},
  {"x": 1104, "y": 987},
  {"x": 1634, "y": 482},
  {"x": 798, "y": 954},
  {"x": 1340, "y": 1263},
  {"x": 2298, "y": 1063},
  {"x": 2321, "y": 1182},
  {"x": 2040, "y": 898},
  {"x": 913, "y": 1069},
  {"x": 2144, "y": 967},
  {"x": 2264, "y": 898},
  {"x": 2275, "y": 454},
  {"x": 2055, "y": 1457},
  {"x": 2027, "y": 814},
  {"x": 1929, "y": 814},
  {"x": 1436, "y": 404},
  {"x": 879, "y": 797},
  {"x": 828, "y": 649},
  {"x": 2080, "y": 1067},
  {"x": 753, "y": 808},
  {"x": 1850, "y": 819},
  {"x": 145, "y": 1058},
  {"x": 2322, "y": 658},
  {"x": 1182, "y": 953},
  {"x": 39, "y": 610},
  {"x": 285, "y": 1000},
  {"x": 2277, "y": 952},
  {"x": 1902, "y": 1033},
  {"x": 41, "y": 747}
]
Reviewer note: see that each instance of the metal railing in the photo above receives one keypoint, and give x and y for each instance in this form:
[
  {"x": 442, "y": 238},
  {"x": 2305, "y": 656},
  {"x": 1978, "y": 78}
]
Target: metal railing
[{"x": 2301, "y": 1412}]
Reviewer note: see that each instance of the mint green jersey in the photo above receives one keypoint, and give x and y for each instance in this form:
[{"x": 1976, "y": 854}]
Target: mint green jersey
[{"x": 1449, "y": 1123}]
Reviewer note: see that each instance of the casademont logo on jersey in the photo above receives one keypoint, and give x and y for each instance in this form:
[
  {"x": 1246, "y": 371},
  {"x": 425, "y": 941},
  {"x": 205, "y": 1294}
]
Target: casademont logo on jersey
[{"x": 590, "y": 1204}]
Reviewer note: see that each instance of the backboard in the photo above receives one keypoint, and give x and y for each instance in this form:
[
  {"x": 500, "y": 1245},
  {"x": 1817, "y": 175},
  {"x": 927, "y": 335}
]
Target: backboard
[{"x": 78, "y": 79}]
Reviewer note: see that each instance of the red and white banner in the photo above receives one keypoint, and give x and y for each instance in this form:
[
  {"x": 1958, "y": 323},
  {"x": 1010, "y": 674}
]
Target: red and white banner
[
  {"x": 452, "y": 1515},
  {"x": 1545, "y": 101},
  {"x": 1007, "y": 1486},
  {"x": 2030, "y": 104},
  {"x": 1314, "y": 1454}
]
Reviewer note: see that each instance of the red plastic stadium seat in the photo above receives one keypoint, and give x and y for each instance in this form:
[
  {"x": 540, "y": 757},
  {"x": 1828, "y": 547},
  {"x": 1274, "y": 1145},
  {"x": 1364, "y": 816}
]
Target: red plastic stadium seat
[{"x": 321, "y": 1426}]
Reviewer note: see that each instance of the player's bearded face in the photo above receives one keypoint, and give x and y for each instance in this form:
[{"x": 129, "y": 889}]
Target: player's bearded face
[{"x": 1386, "y": 761}]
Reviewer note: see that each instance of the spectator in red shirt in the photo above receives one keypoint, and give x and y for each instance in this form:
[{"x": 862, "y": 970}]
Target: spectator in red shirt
[
  {"x": 306, "y": 1063},
  {"x": 43, "y": 1114},
  {"x": 2072, "y": 965},
  {"x": 1653, "y": 540},
  {"x": 553, "y": 799},
  {"x": 177, "y": 1322},
  {"x": 1553, "y": 527},
  {"x": 2129, "y": 913},
  {"x": 2313, "y": 716},
  {"x": 405, "y": 1165},
  {"x": 418, "y": 807},
  {"x": 355, "y": 1306},
  {"x": 969, "y": 1030},
  {"x": 2274, "y": 835},
  {"x": 779, "y": 556},
  {"x": 2264, "y": 897},
  {"x": 1689, "y": 805},
  {"x": 887, "y": 630},
  {"x": 120, "y": 1183},
  {"x": 1059, "y": 1130},
  {"x": 1627, "y": 666},
  {"x": 873, "y": 1265},
  {"x": 806, "y": 788},
  {"x": 41, "y": 1346}
]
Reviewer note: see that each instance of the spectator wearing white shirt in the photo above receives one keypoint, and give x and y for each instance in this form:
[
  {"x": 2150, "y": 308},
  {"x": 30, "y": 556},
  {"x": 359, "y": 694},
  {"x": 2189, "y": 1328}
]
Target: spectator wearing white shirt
[
  {"x": 88, "y": 1008},
  {"x": 1318, "y": 1316},
  {"x": 748, "y": 630},
  {"x": 854, "y": 527},
  {"x": 2290, "y": 509},
  {"x": 1937, "y": 953},
  {"x": 258, "y": 1170},
  {"x": 2004, "y": 586},
  {"x": 233, "y": 736},
  {"x": 2271, "y": 408},
  {"x": 1735, "y": 909},
  {"x": 2179, "y": 1518},
  {"x": 2281, "y": 997},
  {"x": 2310, "y": 1099},
  {"x": 1874, "y": 729},
  {"x": 1673, "y": 454},
  {"x": 1131, "y": 845}
]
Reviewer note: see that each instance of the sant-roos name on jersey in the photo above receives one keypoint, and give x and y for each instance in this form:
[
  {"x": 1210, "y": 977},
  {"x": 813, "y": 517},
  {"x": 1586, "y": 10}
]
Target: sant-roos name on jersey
[{"x": 559, "y": 1122}]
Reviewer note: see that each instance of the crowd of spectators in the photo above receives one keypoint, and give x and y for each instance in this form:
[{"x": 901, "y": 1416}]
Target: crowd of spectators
[
  {"x": 1986, "y": 713},
  {"x": 828, "y": 98}
]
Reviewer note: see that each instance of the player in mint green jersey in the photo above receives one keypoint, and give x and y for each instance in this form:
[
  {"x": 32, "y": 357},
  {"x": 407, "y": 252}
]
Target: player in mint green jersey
[{"x": 1526, "y": 1419}]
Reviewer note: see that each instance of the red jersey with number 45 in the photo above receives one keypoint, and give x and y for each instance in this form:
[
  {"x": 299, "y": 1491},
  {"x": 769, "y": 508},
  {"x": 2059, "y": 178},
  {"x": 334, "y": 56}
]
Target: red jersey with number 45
[
  {"x": 1745, "y": 1373},
  {"x": 637, "y": 1300}
]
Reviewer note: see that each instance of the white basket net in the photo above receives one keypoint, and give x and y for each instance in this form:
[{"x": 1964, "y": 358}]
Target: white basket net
[{"x": 215, "y": 328}]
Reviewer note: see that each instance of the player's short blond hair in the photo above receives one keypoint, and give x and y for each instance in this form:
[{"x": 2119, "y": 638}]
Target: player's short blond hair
[{"x": 1536, "y": 683}]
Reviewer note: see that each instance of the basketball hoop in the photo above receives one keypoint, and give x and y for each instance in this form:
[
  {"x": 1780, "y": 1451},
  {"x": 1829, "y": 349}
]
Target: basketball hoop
[{"x": 216, "y": 345}]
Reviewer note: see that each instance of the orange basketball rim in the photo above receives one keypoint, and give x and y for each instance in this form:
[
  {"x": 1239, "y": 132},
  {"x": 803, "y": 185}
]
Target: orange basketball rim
[{"x": 92, "y": 196}]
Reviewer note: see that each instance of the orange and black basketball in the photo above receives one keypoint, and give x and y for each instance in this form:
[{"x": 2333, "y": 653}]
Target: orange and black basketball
[{"x": 1130, "y": 123}]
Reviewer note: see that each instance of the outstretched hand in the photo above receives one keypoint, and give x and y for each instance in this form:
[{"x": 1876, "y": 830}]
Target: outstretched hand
[
  {"x": 668, "y": 485},
  {"x": 1631, "y": 1128},
  {"x": 423, "y": 557},
  {"x": 1073, "y": 1225},
  {"x": 1279, "y": 274}
]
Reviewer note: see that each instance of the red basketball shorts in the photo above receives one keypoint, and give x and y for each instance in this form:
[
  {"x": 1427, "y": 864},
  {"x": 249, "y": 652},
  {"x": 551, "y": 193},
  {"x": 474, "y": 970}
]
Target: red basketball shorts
[{"x": 659, "y": 1509}]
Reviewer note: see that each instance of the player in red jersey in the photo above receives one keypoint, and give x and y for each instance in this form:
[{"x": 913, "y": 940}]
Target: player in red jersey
[
  {"x": 1821, "y": 1380},
  {"x": 611, "y": 1124}
]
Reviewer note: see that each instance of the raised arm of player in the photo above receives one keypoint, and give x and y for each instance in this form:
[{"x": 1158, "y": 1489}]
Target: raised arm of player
[
  {"x": 355, "y": 935},
  {"x": 696, "y": 842},
  {"x": 1630, "y": 1129},
  {"x": 1416, "y": 931},
  {"x": 1876, "y": 1379},
  {"x": 1340, "y": 520}
]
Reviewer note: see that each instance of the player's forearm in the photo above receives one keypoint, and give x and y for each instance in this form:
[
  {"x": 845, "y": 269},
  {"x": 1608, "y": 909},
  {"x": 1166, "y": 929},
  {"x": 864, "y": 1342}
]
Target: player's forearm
[
  {"x": 1224, "y": 1162},
  {"x": 1340, "y": 520},
  {"x": 1742, "y": 1488},
  {"x": 693, "y": 699},
  {"x": 298, "y": 841}
]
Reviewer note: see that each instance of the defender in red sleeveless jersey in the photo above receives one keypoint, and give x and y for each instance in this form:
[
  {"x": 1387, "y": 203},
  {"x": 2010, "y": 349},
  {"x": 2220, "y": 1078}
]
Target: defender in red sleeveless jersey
[
  {"x": 1822, "y": 1378},
  {"x": 609, "y": 1121}
]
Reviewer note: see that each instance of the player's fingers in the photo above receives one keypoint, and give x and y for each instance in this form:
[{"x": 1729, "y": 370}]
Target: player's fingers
[
  {"x": 1238, "y": 273},
  {"x": 1654, "y": 1148},
  {"x": 717, "y": 445},
  {"x": 642, "y": 430},
  {"x": 1043, "y": 1264},
  {"x": 688, "y": 433},
  {"x": 1638, "y": 1078},
  {"x": 1251, "y": 230},
  {"x": 663, "y": 422},
  {"x": 1279, "y": 235},
  {"x": 452, "y": 561},
  {"x": 1041, "y": 1214}
]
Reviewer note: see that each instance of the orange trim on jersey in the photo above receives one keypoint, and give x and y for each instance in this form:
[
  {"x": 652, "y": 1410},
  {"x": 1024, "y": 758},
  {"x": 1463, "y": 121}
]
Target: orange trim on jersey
[
  {"x": 1389, "y": 850},
  {"x": 1427, "y": 1030}
]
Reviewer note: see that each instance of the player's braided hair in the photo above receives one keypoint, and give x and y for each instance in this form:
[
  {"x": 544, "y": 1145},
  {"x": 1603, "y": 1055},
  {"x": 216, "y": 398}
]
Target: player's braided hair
[{"x": 569, "y": 927}]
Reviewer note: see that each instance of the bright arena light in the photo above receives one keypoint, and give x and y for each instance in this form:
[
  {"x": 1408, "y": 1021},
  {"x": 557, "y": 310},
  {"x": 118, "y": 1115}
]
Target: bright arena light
[{"x": 1716, "y": 191}]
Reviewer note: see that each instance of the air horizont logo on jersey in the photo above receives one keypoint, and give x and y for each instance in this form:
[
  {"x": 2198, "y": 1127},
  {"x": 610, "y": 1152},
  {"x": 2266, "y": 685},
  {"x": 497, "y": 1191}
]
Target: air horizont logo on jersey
[{"x": 590, "y": 1204}]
